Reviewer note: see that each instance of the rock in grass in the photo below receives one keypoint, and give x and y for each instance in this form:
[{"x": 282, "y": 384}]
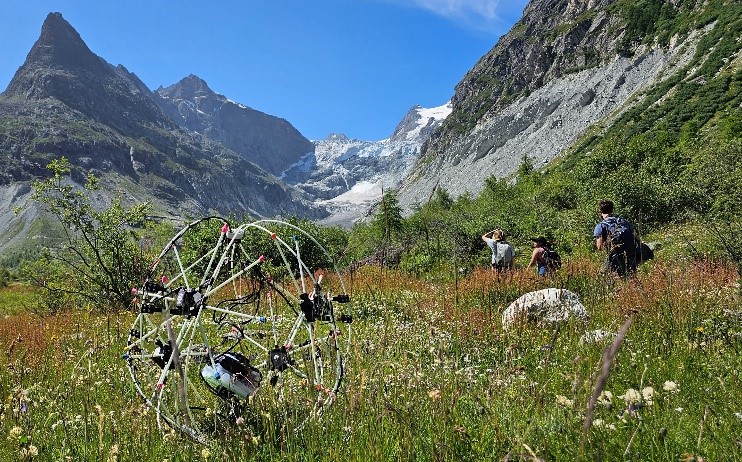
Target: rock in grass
[{"x": 545, "y": 306}]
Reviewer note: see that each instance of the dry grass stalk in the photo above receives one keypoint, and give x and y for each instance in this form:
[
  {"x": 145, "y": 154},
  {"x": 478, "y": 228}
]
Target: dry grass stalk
[
  {"x": 700, "y": 430},
  {"x": 608, "y": 357}
]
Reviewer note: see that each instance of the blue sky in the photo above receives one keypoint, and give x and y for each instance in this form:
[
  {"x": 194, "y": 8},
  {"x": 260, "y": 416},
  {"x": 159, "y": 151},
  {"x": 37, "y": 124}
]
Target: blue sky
[{"x": 327, "y": 66}]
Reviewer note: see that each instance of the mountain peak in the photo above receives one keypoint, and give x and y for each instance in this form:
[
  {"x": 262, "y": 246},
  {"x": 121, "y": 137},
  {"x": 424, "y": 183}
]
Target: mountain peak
[
  {"x": 60, "y": 66},
  {"x": 419, "y": 122},
  {"x": 196, "y": 83},
  {"x": 188, "y": 87},
  {"x": 60, "y": 46},
  {"x": 266, "y": 140},
  {"x": 59, "y": 51}
]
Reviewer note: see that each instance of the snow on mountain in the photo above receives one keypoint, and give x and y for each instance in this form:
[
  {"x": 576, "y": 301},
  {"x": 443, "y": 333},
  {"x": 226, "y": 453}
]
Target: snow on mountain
[
  {"x": 423, "y": 122},
  {"x": 348, "y": 176}
]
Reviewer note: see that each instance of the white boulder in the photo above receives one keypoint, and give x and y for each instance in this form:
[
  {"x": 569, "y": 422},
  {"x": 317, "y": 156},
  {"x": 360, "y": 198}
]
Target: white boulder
[{"x": 545, "y": 306}]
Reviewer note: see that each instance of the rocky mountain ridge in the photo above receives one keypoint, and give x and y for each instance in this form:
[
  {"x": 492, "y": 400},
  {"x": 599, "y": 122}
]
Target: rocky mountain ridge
[
  {"x": 184, "y": 148},
  {"x": 66, "y": 101},
  {"x": 566, "y": 68},
  {"x": 268, "y": 141},
  {"x": 105, "y": 119}
]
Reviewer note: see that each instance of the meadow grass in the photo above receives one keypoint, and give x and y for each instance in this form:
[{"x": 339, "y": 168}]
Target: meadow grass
[
  {"x": 431, "y": 375},
  {"x": 16, "y": 298}
]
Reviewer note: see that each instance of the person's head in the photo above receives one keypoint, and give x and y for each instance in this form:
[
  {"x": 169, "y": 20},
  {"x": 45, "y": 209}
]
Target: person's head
[
  {"x": 605, "y": 207},
  {"x": 539, "y": 241},
  {"x": 498, "y": 234}
]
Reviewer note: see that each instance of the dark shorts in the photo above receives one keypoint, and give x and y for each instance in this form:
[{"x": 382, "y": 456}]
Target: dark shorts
[
  {"x": 499, "y": 267},
  {"x": 623, "y": 264}
]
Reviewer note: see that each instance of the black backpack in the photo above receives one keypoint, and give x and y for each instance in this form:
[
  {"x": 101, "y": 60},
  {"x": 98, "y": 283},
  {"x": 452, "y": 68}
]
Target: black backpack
[
  {"x": 552, "y": 259},
  {"x": 619, "y": 235}
]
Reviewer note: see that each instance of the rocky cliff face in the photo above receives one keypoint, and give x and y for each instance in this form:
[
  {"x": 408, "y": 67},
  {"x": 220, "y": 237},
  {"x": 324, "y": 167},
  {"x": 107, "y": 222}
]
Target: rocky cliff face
[
  {"x": 266, "y": 140},
  {"x": 561, "y": 70},
  {"x": 553, "y": 38}
]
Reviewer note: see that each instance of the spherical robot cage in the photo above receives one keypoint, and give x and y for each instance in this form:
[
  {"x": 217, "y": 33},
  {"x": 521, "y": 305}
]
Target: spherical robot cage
[{"x": 234, "y": 318}]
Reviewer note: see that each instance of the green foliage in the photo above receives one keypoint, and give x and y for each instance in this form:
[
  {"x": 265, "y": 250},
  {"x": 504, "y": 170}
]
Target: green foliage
[
  {"x": 645, "y": 18},
  {"x": 443, "y": 199},
  {"x": 526, "y": 167},
  {"x": 333, "y": 240},
  {"x": 5, "y": 277},
  {"x": 559, "y": 194},
  {"x": 361, "y": 243},
  {"x": 671, "y": 173},
  {"x": 388, "y": 218},
  {"x": 715, "y": 169},
  {"x": 100, "y": 260},
  {"x": 386, "y": 230},
  {"x": 56, "y": 278}
]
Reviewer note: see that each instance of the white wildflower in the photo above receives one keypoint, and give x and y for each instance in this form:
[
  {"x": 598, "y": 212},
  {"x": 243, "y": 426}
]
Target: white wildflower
[
  {"x": 648, "y": 395},
  {"x": 15, "y": 432},
  {"x": 564, "y": 401},
  {"x": 605, "y": 398},
  {"x": 670, "y": 386},
  {"x": 113, "y": 453},
  {"x": 631, "y": 396}
]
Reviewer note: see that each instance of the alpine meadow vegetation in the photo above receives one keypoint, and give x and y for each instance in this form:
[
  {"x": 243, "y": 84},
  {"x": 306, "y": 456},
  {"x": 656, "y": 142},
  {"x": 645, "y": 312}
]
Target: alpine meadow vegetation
[
  {"x": 432, "y": 374},
  {"x": 655, "y": 374}
]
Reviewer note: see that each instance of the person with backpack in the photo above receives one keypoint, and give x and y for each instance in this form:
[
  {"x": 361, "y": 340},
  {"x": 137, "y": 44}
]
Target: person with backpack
[
  {"x": 543, "y": 257},
  {"x": 616, "y": 236},
  {"x": 503, "y": 254}
]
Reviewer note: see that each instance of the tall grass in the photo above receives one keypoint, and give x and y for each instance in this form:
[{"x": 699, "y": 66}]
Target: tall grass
[{"x": 431, "y": 375}]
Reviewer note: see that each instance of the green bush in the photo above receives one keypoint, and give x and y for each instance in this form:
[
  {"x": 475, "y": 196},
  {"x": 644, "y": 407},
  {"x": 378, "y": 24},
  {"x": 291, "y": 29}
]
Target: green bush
[
  {"x": 4, "y": 277},
  {"x": 100, "y": 261}
]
